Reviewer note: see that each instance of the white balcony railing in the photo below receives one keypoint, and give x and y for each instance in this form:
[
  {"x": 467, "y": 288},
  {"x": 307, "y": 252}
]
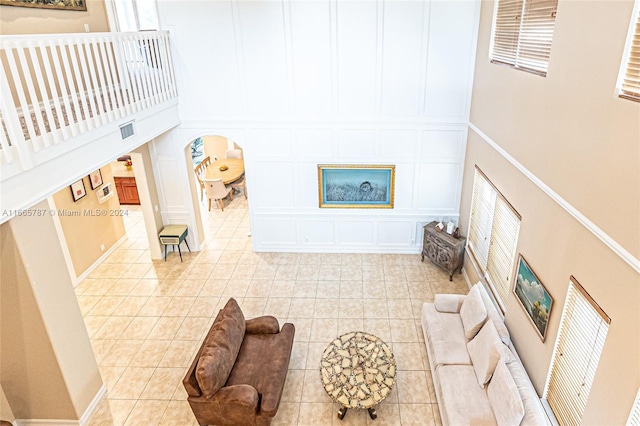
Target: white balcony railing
[{"x": 56, "y": 87}]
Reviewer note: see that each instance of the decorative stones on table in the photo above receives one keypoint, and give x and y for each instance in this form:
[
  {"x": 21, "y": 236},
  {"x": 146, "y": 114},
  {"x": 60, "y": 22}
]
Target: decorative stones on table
[{"x": 358, "y": 370}]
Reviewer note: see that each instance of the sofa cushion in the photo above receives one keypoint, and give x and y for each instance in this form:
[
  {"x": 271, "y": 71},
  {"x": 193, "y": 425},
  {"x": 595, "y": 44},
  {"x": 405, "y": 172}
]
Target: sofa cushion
[
  {"x": 460, "y": 399},
  {"x": 533, "y": 412},
  {"x": 473, "y": 313},
  {"x": 504, "y": 397},
  {"x": 445, "y": 336},
  {"x": 493, "y": 315},
  {"x": 260, "y": 350},
  {"x": 220, "y": 349},
  {"x": 484, "y": 351}
]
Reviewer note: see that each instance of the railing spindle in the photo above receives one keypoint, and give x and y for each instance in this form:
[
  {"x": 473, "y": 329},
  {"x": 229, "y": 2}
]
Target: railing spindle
[
  {"x": 91, "y": 82},
  {"x": 107, "y": 48},
  {"x": 84, "y": 112},
  {"x": 24, "y": 105},
  {"x": 36, "y": 106},
  {"x": 70, "y": 125},
  {"x": 54, "y": 104}
]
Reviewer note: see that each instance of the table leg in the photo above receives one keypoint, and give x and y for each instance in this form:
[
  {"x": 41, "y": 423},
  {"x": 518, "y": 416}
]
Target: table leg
[
  {"x": 165, "y": 252},
  {"x": 341, "y": 412},
  {"x": 187, "y": 243},
  {"x": 180, "y": 251},
  {"x": 372, "y": 413}
]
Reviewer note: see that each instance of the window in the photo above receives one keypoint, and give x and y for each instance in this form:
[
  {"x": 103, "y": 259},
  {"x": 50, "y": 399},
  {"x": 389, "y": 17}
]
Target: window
[
  {"x": 522, "y": 34},
  {"x": 583, "y": 330},
  {"x": 493, "y": 234},
  {"x": 629, "y": 79},
  {"x": 634, "y": 416},
  {"x": 136, "y": 15}
]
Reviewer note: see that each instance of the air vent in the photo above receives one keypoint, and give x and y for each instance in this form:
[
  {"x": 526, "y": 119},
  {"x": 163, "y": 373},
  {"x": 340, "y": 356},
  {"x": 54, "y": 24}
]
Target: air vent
[{"x": 127, "y": 130}]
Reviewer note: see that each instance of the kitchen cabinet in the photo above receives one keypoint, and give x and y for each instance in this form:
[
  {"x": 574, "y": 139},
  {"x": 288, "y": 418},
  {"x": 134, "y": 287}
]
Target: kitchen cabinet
[{"x": 127, "y": 190}]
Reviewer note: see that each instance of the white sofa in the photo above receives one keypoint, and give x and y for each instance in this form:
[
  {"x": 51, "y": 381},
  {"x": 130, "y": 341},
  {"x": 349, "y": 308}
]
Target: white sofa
[{"x": 477, "y": 375}]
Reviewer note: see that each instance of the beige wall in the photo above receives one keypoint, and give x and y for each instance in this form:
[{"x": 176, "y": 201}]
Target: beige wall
[
  {"x": 106, "y": 229},
  {"x": 568, "y": 128},
  {"x": 27, "y": 353},
  {"x": 584, "y": 143},
  {"x": 28, "y": 20},
  {"x": 151, "y": 184},
  {"x": 48, "y": 368},
  {"x": 6, "y": 413}
]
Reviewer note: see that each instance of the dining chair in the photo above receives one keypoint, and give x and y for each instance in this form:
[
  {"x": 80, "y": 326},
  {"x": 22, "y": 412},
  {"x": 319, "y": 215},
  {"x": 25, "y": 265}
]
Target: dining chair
[
  {"x": 206, "y": 161},
  {"x": 199, "y": 171},
  {"x": 216, "y": 190},
  {"x": 240, "y": 183},
  {"x": 234, "y": 153}
]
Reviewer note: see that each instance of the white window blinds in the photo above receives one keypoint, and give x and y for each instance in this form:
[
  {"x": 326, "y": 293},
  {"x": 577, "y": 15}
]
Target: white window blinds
[
  {"x": 630, "y": 79},
  {"x": 583, "y": 330},
  {"x": 522, "y": 34},
  {"x": 493, "y": 234},
  {"x": 634, "y": 416}
]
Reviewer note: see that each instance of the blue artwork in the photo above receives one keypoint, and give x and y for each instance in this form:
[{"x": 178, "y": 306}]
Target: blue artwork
[
  {"x": 535, "y": 299},
  {"x": 197, "y": 151},
  {"x": 354, "y": 186}
]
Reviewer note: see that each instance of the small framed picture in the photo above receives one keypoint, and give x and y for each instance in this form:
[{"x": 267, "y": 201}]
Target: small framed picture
[
  {"x": 78, "y": 190},
  {"x": 95, "y": 178}
]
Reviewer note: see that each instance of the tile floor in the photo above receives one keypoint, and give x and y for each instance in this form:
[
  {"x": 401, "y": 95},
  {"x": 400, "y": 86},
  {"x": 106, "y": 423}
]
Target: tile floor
[{"x": 147, "y": 318}]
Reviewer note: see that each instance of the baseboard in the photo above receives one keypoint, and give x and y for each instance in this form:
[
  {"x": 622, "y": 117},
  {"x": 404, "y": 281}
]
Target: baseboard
[
  {"x": 45, "y": 422},
  {"x": 77, "y": 280},
  {"x": 84, "y": 420},
  {"x": 466, "y": 278}
]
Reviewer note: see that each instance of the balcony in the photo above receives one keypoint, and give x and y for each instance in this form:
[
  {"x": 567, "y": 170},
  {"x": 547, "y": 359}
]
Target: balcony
[{"x": 71, "y": 102}]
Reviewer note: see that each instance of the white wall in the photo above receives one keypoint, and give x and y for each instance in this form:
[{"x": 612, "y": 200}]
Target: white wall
[{"x": 302, "y": 83}]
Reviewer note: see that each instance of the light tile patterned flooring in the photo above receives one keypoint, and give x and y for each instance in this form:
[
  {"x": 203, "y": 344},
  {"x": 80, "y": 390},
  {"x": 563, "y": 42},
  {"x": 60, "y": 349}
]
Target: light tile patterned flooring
[{"x": 147, "y": 318}]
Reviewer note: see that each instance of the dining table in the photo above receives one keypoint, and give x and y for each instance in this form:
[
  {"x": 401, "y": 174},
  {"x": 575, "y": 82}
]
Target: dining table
[{"x": 233, "y": 172}]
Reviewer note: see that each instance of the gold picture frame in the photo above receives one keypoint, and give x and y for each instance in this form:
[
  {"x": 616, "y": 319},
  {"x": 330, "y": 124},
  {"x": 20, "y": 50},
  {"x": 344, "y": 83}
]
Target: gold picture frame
[
  {"x": 356, "y": 186},
  {"x": 48, "y": 4}
]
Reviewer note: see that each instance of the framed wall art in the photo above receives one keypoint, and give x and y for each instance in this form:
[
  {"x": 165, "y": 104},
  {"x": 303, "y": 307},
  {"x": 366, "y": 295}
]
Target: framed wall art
[
  {"x": 95, "y": 178},
  {"x": 48, "y": 4},
  {"x": 533, "y": 297},
  {"x": 356, "y": 186},
  {"x": 78, "y": 190}
]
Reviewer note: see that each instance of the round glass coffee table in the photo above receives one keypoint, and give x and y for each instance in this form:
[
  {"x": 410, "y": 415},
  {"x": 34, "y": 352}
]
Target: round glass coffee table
[{"x": 358, "y": 370}]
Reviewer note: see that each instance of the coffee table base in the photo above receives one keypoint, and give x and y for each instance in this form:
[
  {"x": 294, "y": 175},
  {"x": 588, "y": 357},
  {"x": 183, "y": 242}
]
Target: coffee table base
[{"x": 343, "y": 411}]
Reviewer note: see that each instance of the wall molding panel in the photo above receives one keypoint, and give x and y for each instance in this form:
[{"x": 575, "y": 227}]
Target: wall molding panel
[
  {"x": 325, "y": 59},
  {"x": 330, "y": 81}
]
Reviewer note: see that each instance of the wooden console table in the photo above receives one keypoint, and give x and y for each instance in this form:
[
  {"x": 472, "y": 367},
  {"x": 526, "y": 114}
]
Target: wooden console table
[{"x": 443, "y": 249}]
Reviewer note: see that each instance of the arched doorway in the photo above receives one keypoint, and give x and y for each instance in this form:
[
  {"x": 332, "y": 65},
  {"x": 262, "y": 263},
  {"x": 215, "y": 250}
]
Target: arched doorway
[{"x": 205, "y": 155}]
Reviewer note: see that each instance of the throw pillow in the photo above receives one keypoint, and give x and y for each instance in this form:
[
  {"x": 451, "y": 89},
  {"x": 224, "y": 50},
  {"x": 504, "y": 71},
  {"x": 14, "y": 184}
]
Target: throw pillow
[
  {"x": 221, "y": 349},
  {"x": 484, "y": 351},
  {"x": 448, "y": 303},
  {"x": 504, "y": 397},
  {"x": 472, "y": 313}
]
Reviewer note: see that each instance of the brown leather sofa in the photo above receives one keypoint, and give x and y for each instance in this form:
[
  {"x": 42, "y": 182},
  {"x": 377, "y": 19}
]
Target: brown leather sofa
[{"x": 238, "y": 374}]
